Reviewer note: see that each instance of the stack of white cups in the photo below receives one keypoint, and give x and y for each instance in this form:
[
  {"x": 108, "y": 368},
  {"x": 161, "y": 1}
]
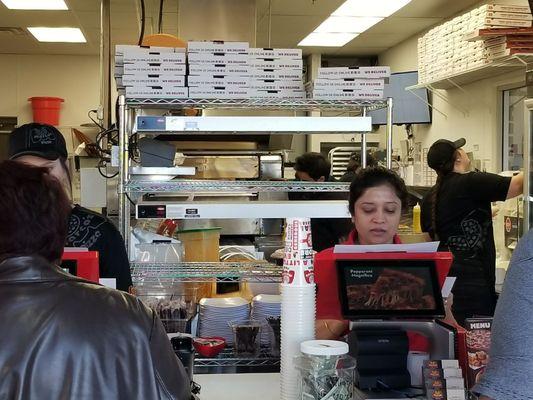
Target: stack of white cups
[{"x": 297, "y": 301}]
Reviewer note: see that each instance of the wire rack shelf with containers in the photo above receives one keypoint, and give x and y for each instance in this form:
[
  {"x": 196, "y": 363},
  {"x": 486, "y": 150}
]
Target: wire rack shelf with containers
[{"x": 131, "y": 190}]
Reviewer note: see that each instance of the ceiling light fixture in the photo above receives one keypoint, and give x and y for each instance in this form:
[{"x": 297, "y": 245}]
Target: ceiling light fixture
[
  {"x": 66, "y": 35},
  {"x": 369, "y": 8},
  {"x": 327, "y": 39},
  {"x": 347, "y": 24},
  {"x": 350, "y": 19},
  {"x": 35, "y": 4}
]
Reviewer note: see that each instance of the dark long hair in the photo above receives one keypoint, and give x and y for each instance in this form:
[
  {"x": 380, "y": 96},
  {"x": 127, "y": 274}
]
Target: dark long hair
[{"x": 442, "y": 171}]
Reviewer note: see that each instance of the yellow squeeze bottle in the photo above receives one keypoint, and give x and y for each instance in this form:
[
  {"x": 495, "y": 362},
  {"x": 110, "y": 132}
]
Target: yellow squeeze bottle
[{"x": 417, "y": 228}]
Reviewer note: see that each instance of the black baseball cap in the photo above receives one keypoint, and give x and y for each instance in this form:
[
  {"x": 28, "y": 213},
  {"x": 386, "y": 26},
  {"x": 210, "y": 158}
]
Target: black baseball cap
[
  {"x": 442, "y": 151},
  {"x": 37, "y": 140}
]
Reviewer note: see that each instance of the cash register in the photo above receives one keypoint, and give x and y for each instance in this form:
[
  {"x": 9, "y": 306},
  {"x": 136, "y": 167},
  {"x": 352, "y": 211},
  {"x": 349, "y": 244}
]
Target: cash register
[{"x": 385, "y": 296}]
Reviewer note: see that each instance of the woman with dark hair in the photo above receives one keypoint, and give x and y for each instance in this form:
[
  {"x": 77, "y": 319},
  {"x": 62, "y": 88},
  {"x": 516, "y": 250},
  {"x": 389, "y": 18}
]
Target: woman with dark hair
[
  {"x": 377, "y": 196},
  {"x": 43, "y": 145},
  {"x": 63, "y": 337},
  {"x": 457, "y": 211}
]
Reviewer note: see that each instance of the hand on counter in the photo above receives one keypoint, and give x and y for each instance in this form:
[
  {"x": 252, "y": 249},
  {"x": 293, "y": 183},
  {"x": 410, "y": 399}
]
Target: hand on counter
[{"x": 330, "y": 329}]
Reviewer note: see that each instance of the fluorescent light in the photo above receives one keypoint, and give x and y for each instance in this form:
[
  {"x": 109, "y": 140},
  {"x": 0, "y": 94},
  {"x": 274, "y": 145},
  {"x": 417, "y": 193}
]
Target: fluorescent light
[
  {"x": 347, "y": 24},
  {"x": 369, "y": 8},
  {"x": 71, "y": 35},
  {"x": 327, "y": 39},
  {"x": 35, "y": 4}
]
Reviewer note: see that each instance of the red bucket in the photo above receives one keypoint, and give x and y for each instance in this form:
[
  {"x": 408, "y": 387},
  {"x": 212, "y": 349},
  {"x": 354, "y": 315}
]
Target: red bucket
[{"x": 46, "y": 109}]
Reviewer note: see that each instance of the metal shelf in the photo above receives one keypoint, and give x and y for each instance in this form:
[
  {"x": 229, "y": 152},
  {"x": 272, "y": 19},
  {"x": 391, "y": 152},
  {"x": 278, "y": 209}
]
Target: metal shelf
[
  {"x": 500, "y": 66},
  {"x": 191, "y": 186},
  {"x": 228, "y": 359},
  {"x": 205, "y": 272},
  {"x": 264, "y": 104}
]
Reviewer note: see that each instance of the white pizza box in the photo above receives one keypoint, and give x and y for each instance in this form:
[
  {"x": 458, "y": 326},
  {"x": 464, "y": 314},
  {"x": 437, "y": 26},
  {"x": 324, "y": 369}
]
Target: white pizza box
[
  {"x": 216, "y": 46},
  {"x": 276, "y": 84},
  {"x": 210, "y": 58},
  {"x": 353, "y": 72},
  {"x": 150, "y": 68},
  {"x": 157, "y": 92},
  {"x": 152, "y": 57},
  {"x": 347, "y": 95},
  {"x": 275, "y": 73},
  {"x": 354, "y": 83},
  {"x": 281, "y": 94},
  {"x": 288, "y": 63},
  {"x": 217, "y": 80},
  {"x": 211, "y": 93},
  {"x": 505, "y": 15},
  {"x": 218, "y": 69},
  {"x": 120, "y": 49},
  {"x": 153, "y": 80},
  {"x": 266, "y": 52},
  {"x": 504, "y": 8}
]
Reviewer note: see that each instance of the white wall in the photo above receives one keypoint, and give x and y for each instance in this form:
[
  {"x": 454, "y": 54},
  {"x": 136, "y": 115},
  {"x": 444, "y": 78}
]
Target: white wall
[
  {"x": 73, "y": 78},
  {"x": 473, "y": 112}
]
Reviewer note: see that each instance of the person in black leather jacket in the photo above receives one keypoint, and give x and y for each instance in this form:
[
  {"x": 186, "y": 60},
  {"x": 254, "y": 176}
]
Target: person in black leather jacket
[{"x": 62, "y": 337}]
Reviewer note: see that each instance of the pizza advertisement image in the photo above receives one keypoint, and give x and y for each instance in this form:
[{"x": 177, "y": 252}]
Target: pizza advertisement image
[
  {"x": 389, "y": 287},
  {"x": 478, "y": 337}
]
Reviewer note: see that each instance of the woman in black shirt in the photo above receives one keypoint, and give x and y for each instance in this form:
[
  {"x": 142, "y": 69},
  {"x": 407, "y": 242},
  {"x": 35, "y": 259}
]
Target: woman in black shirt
[{"x": 457, "y": 211}]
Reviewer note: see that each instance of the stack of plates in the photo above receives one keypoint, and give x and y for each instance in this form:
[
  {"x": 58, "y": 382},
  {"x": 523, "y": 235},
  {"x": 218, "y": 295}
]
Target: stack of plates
[
  {"x": 215, "y": 314},
  {"x": 263, "y": 306}
]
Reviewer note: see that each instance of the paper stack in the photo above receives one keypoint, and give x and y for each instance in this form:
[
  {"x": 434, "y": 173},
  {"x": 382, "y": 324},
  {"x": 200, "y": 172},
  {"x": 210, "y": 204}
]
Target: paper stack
[{"x": 150, "y": 72}]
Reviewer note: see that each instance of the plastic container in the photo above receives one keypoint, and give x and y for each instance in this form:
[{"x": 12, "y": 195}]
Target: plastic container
[
  {"x": 160, "y": 252},
  {"x": 200, "y": 244},
  {"x": 325, "y": 370},
  {"x": 246, "y": 337},
  {"x": 46, "y": 109},
  {"x": 209, "y": 346}
]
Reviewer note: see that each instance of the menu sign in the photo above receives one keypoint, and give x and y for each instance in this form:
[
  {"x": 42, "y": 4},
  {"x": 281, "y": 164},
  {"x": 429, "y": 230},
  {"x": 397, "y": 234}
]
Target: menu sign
[{"x": 478, "y": 336}]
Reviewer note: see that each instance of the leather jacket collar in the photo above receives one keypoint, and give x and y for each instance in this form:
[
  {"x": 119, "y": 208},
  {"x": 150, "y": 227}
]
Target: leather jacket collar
[{"x": 32, "y": 268}]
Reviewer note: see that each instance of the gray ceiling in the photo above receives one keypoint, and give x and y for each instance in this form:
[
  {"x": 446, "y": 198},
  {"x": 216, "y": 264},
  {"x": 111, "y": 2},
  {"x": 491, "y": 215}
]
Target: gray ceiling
[{"x": 288, "y": 21}]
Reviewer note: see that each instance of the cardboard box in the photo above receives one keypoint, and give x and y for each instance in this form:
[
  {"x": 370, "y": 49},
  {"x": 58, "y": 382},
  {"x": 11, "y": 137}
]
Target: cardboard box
[
  {"x": 216, "y": 46},
  {"x": 217, "y": 80},
  {"x": 266, "y": 52},
  {"x": 218, "y": 58},
  {"x": 348, "y": 95},
  {"x": 495, "y": 22},
  {"x": 478, "y": 338},
  {"x": 152, "y": 68},
  {"x": 504, "y": 8},
  {"x": 349, "y": 83},
  {"x": 120, "y": 49},
  {"x": 281, "y": 93},
  {"x": 157, "y": 92},
  {"x": 276, "y": 63},
  {"x": 218, "y": 93},
  {"x": 504, "y": 15},
  {"x": 218, "y": 69},
  {"x": 439, "y": 364},
  {"x": 276, "y": 84},
  {"x": 153, "y": 80},
  {"x": 275, "y": 73},
  {"x": 131, "y": 57},
  {"x": 353, "y": 72}
]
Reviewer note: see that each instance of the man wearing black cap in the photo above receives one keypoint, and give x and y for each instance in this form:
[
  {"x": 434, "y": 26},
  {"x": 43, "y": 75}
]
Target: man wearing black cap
[
  {"x": 457, "y": 211},
  {"x": 44, "y": 146}
]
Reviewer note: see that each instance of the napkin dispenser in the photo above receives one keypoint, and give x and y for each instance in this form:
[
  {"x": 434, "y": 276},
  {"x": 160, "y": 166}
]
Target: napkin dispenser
[{"x": 381, "y": 358}]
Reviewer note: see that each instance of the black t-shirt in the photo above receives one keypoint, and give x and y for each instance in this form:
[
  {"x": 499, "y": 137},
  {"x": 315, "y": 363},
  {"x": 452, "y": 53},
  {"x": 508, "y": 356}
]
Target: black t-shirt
[
  {"x": 95, "y": 232},
  {"x": 464, "y": 221}
]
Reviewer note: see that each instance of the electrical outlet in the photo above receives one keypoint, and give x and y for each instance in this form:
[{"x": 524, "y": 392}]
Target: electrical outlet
[
  {"x": 476, "y": 147},
  {"x": 114, "y": 156},
  {"x": 100, "y": 113}
]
